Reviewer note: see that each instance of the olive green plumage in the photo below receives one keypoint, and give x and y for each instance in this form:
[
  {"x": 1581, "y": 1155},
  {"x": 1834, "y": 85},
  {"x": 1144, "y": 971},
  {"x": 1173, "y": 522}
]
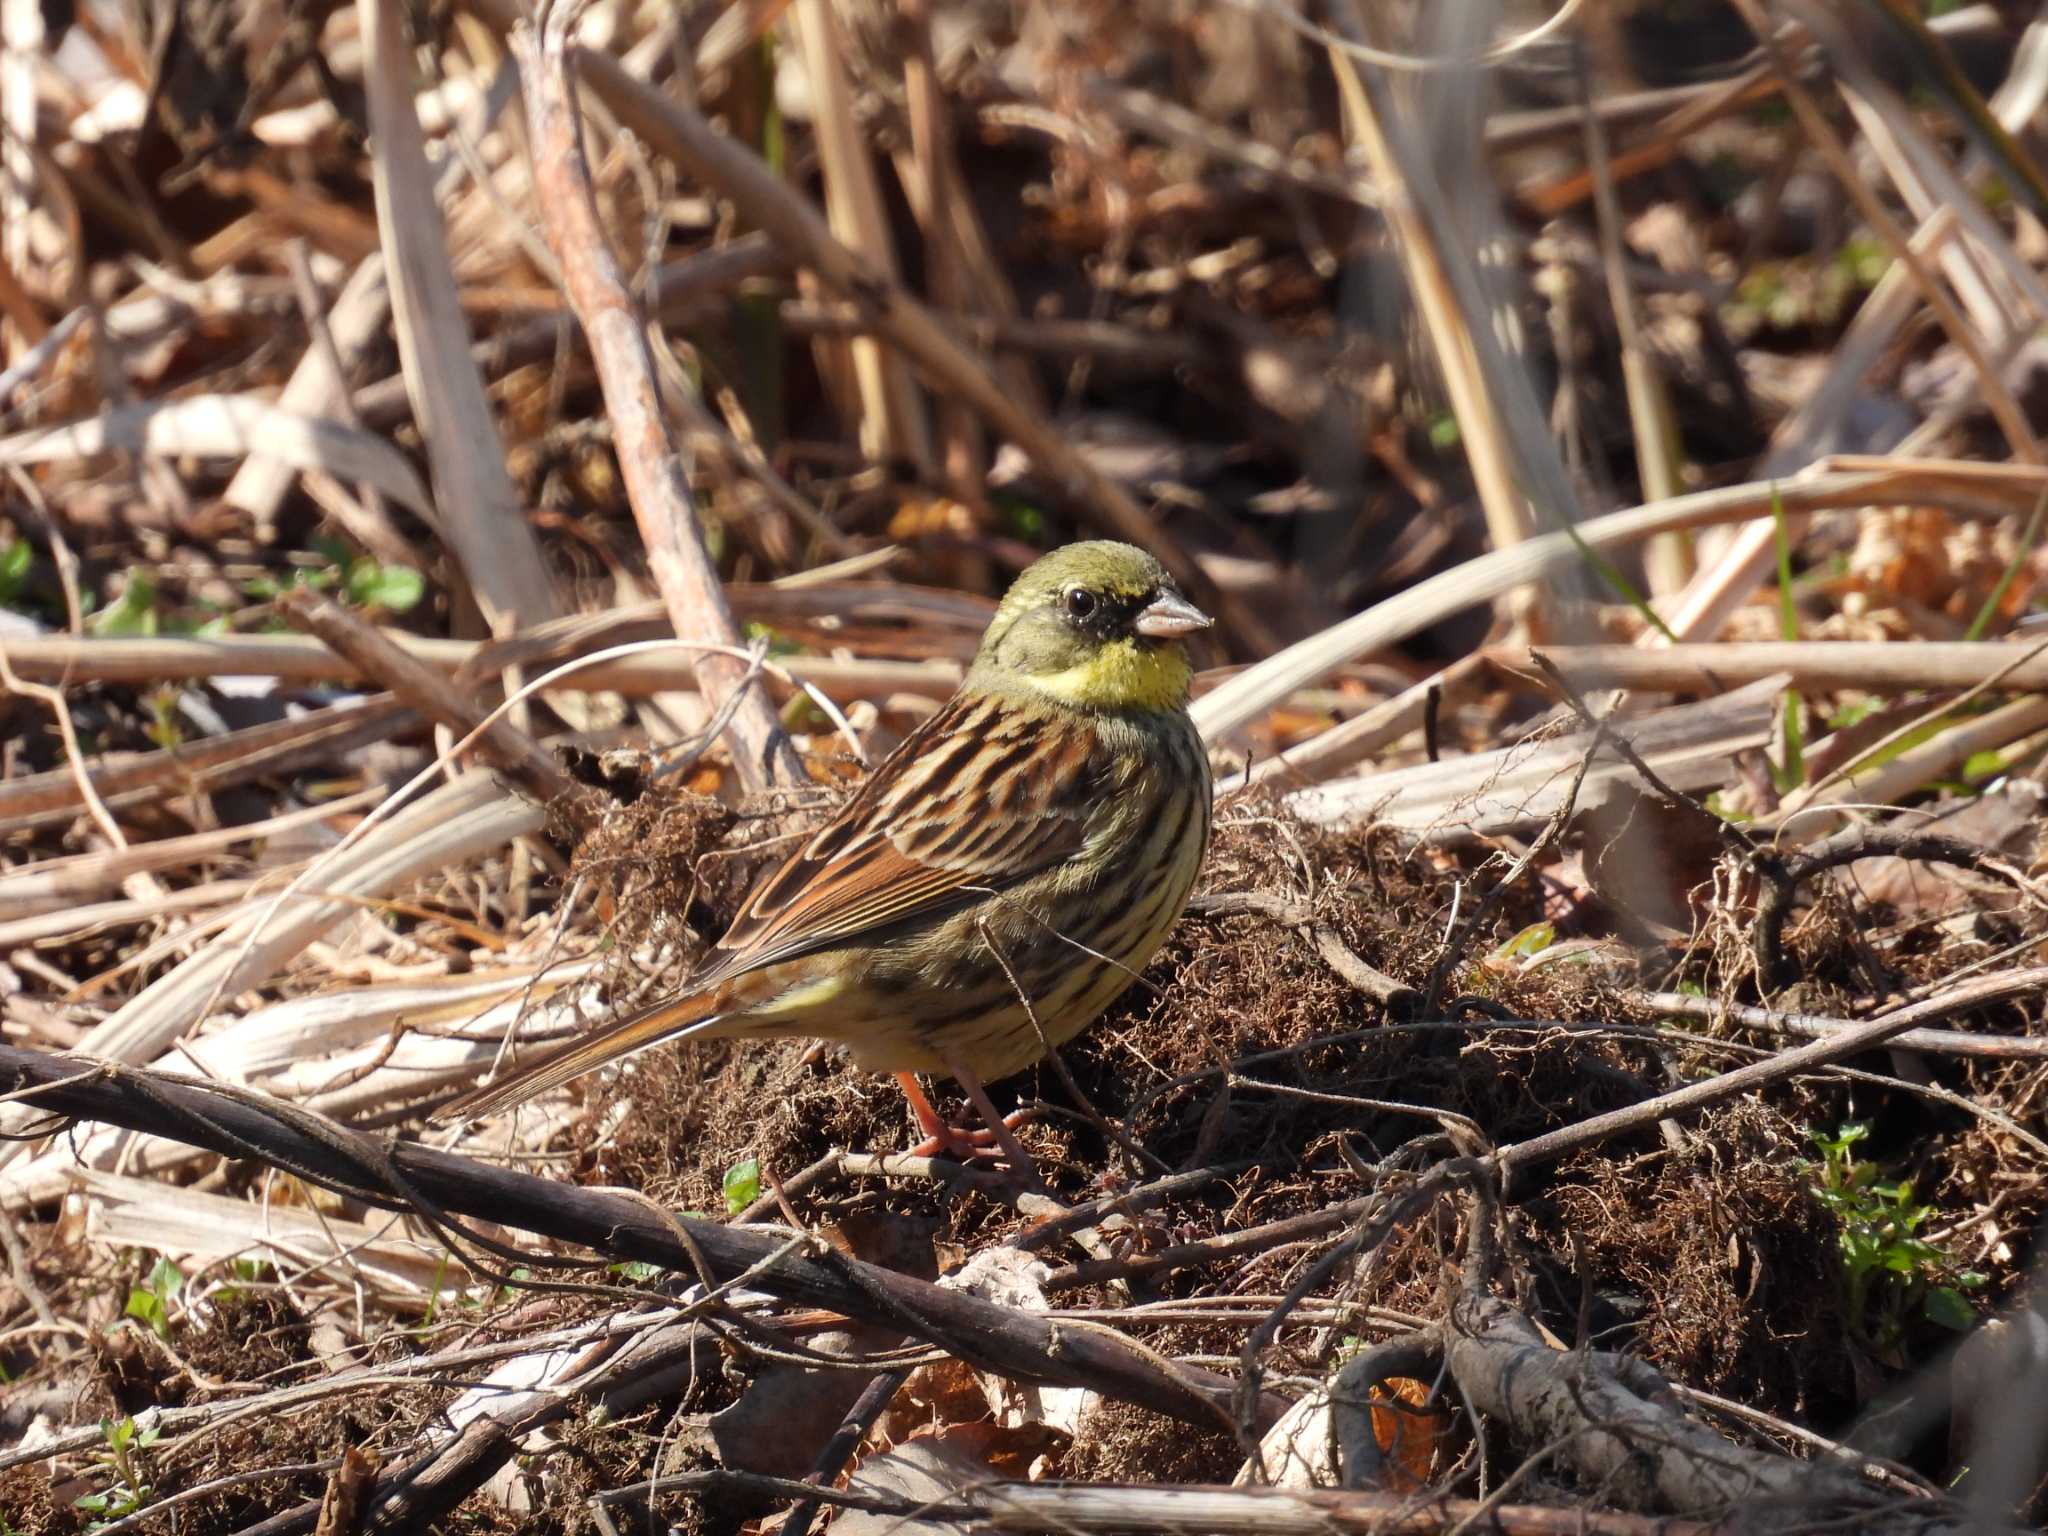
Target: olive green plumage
[{"x": 1038, "y": 834}]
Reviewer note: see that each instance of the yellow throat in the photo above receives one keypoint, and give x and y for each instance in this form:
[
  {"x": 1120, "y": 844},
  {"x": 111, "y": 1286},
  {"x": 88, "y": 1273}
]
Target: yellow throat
[{"x": 1123, "y": 674}]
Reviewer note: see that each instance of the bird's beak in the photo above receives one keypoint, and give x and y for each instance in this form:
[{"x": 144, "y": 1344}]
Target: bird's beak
[{"x": 1168, "y": 617}]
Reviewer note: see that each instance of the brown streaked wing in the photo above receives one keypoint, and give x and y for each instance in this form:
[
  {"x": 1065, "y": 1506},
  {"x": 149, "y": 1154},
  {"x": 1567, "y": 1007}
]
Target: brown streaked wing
[{"x": 984, "y": 794}]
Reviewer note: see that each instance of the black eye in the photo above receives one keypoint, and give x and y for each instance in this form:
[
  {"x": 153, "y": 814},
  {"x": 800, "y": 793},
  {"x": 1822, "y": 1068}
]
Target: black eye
[{"x": 1079, "y": 601}]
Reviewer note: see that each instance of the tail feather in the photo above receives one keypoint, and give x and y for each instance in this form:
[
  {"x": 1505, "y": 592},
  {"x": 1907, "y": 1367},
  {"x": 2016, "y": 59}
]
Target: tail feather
[{"x": 668, "y": 1020}]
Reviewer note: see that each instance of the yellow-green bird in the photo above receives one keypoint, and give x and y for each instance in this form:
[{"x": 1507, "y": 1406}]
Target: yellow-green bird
[{"x": 996, "y": 882}]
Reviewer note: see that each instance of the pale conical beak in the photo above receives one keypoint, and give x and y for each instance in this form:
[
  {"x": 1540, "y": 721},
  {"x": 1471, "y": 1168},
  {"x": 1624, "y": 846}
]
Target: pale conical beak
[{"x": 1169, "y": 616}]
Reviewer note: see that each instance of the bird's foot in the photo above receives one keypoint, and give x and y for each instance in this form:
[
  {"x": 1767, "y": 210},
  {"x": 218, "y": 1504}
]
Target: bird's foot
[
  {"x": 993, "y": 1141},
  {"x": 959, "y": 1142}
]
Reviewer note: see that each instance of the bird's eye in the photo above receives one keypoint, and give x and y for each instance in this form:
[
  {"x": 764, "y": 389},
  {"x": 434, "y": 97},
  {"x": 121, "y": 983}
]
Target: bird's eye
[{"x": 1080, "y": 602}]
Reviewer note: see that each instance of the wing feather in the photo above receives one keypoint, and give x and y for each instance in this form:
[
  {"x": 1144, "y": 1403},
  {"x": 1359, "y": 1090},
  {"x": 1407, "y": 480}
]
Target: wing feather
[{"x": 924, "y": 836}]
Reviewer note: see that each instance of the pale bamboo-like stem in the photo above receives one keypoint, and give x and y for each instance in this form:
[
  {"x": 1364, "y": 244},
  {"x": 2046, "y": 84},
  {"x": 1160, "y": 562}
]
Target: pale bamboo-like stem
[
  {"x": 479, "y": 512},
  {"x": 1848, "y": 483},
  {"x": 1868, "y": 666}
]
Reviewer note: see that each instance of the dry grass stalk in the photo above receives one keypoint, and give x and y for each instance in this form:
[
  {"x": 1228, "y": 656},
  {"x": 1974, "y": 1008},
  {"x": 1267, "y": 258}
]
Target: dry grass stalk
[
  {"x": 125, "y": 779},
  {"x": 1842, "y": 482},
  {"x": 226, "y": 426},
  {"x": 1513, "y": 789},
  {"x": 373, "y": 653},
  {"x": 55, "y": 883},
  {"x": 184, "y": 658},
  {"x": 1667, "y": 557},
  {"x": 1813, "y": 666}
]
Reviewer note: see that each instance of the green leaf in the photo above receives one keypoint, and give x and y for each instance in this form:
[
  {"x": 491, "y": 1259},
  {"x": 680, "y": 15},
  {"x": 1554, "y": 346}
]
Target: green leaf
[
  {"x": 165, "y": 1278},
  {"x": 1947, "y": 1306},
  {"x": 1532, "y": 940},
  {"x": 133, "y": 613},
  {"x": 397, "y": 588},
  {"x": 742, "y": 1185},
  {"x": 15, "y": 559},
  {"x": 1979, "y": 766},
  {"x": 1026, "y": 521},
  {"x": 1611, "y": 574},
  {"x": 636, "y": 1270},
  {"x": 146, "y": 1307}
]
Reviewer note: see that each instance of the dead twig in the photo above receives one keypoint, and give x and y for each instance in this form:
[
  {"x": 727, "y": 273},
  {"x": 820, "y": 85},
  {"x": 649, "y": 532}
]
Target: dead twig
[
  {"x": 1552, "y": 1145},
  {"x": 405, "y": 1174},
  {"x": 648, "y": 456},
  {"x": 1397, "y": 997},
  {"x": 1782, "y": 875},
  {"x": 1030, "y": 1508}
]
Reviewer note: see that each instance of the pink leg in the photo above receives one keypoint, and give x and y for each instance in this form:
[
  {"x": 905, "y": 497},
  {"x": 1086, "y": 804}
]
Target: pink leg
[
  {"x": 938, "y": 1134},
  {"x": 1020, "y": 1160}
]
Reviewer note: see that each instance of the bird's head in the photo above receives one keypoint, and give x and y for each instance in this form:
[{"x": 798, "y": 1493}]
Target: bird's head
[{"x": 1097, "y": 625}]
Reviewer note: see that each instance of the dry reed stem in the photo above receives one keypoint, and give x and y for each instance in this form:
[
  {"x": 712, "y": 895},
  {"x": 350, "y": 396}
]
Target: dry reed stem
[
  {"x": 1865, "y": 666},
  {"x": 480, "y": 513},
  {"x": 892, "y": 416},
  {"x": 2012, "y": 421},
  {"x": 1667, "y": 557},
  {"x": 1450, "y": 329}
]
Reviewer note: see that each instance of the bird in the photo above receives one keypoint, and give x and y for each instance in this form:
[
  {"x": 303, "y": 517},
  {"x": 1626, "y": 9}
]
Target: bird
[{"x": 1002, "y": 876}]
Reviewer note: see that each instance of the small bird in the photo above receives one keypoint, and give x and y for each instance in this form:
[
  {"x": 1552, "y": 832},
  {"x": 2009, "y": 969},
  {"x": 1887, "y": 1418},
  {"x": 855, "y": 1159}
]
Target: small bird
[{"x": 995, "y": 883}]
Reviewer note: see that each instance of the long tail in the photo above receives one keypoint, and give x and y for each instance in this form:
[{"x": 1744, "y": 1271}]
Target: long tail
[{"x": 664, "y": 1021}]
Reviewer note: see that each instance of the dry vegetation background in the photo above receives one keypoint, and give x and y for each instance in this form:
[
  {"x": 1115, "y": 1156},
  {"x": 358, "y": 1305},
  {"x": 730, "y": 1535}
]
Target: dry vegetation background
[{"x": 1599, "y": 1087}]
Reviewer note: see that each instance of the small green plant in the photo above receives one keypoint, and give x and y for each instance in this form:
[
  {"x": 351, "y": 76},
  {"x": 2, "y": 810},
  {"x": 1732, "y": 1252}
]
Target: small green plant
[
  {"x": 1532, "y": 940},
  {"x": 128, "y": 1491},
  {"x": 246, "y": 1272},
  {"x": 133, "y": 613},
  {"x": 1890, "y": 1274},
  {"x": 150, "y": 1302},
  {"x": 367, "y": 583},
  {"x": 742, "y": 1185}
]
